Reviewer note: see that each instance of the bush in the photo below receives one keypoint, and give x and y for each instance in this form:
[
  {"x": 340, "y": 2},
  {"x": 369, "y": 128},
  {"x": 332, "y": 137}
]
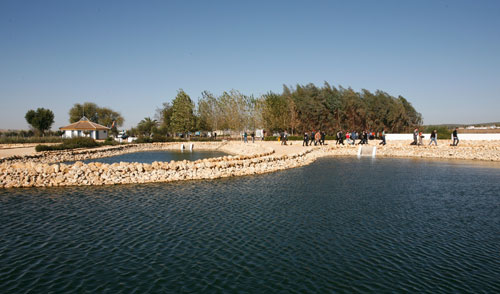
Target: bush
[
  {"x": 40, "y": 148},
  {"x": 143, "y": 140},
  {"x": 443, "y": 132},
  {"x": 73, "y": 143},
  {"x": 23, "y": 140}
]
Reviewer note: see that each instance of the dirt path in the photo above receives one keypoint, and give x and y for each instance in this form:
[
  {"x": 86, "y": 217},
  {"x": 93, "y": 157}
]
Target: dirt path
[{"x": 20, "y": 151}]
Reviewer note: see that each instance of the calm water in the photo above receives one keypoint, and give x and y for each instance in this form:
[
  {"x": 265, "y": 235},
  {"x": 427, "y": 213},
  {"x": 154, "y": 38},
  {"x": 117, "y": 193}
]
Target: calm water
[
  {"x": 161, "y": 155},
  {"x": 336, "y": 226}
]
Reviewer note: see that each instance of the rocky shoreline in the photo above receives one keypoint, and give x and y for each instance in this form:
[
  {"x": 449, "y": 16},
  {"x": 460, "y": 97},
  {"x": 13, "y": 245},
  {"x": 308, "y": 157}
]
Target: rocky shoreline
[{"x": 46, "y": 169}]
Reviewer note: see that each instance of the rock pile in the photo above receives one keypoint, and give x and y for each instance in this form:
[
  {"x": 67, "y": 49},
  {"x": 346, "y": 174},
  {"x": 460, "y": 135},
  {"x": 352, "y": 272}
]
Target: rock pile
[{"x": 32, "y": 174}]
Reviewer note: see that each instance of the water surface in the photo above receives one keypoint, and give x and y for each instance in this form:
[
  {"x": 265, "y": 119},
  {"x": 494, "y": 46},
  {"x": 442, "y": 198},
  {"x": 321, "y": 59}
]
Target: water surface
[
  {"x": 157, "y": 155},
  {"x": 336, "y": 226}
]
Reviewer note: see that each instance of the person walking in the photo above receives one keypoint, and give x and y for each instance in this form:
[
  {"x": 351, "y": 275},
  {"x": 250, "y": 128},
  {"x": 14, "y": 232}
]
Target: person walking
[
  {"x": 306, "y": 139},
  {"x": 383, "y": 138},
  {"x": 253, "y": 137},
  {"x": 285, "y": 137},
  {"x": 323, "y": 136},
  {"x": 455, "y": 137},
  {"x": 317, "y": 138},
  {"x": 245, "y": 137},
  {"x": 311, "y": 139},
  {"x": 361, "y": 138},
  {"x": 433, "y": 138},
  {"x": 420, "y": 139},
  {"x": 415, "y": 137},
  {"x": 341, "y": 137}
]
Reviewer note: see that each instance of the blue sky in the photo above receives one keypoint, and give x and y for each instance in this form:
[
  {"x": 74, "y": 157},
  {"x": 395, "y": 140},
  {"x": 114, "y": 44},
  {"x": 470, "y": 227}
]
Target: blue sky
[{"x": 443, "y": 56}]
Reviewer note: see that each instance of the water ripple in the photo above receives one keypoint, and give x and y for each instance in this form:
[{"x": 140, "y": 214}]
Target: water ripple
[{"x": 337, "y": 226}]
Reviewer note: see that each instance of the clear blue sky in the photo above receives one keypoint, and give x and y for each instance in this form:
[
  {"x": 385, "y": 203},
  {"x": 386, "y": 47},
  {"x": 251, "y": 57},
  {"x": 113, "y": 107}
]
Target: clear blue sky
[{"x": 443, "y": 56}]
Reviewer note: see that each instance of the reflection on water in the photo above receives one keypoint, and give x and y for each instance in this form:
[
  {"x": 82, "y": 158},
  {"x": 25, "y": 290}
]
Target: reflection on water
[
  {"x": 338, "y": 225},
  {"x": 159, "y": 155}
]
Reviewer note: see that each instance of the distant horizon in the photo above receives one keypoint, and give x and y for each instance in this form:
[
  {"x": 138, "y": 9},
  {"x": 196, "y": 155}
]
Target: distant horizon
[{"x": 132, "y": 57}]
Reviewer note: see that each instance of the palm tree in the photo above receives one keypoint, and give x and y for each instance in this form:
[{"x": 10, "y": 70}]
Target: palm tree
[{"x": 147, "y": 126}]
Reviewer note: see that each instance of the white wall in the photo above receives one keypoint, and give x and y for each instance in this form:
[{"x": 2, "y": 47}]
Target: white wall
[
  {"x": 102, "y": 135},
  {"x": 472, "y": 137},
  {"x": 73, "y": 134}
]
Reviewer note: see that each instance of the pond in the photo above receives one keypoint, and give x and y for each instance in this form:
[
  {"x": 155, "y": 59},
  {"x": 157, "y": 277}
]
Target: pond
[
  {"x": 157, "y": 155},
  {"x": 339, "y": 225}
]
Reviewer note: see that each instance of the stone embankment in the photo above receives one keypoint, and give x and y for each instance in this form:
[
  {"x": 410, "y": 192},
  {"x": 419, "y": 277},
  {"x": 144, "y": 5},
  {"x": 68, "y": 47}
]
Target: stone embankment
[
  {"x": 467, "y": 150},
  {"x": 42, "y": 174},
  {"x": 45, "y": 169}
]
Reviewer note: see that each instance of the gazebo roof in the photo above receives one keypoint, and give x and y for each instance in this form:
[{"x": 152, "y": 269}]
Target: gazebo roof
[{"x": 84, "y": 125}]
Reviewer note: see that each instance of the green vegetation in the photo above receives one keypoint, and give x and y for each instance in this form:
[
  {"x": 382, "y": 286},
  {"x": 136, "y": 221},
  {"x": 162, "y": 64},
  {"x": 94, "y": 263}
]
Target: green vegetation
[
  {"x": 183, "y": 119},
  {"x": 101, "y": 115},
  {"x": 41, "y": 119},
  {"x": 442, "y": 131},
  {"x": 307, "y": 108},
  {"x": 146, "y": 127},
  {"x": 73, "y": 143},
  {"x": 29, "y": 140},
  {"x": 299, "y": 109}
]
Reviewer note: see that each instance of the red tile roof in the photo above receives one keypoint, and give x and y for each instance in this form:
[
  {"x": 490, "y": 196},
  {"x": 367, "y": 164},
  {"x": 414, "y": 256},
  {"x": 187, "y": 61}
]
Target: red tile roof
[{"x": 84, "y": 124}]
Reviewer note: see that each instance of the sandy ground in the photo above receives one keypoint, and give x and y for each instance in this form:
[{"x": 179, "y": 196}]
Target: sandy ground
[{"x": 18, "y": 151}]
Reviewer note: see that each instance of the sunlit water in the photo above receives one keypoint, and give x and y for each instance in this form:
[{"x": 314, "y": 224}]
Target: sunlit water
[
  {"x": 159, "y": 155},
  {"x": 335, "y": 226}
]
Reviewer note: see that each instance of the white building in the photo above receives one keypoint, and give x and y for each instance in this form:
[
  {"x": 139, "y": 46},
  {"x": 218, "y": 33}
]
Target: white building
[{"x": 85, "y": 128}]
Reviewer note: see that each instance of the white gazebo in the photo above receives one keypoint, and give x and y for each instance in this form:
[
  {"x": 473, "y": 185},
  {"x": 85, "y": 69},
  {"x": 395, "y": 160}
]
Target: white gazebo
[{"x": 85, "y": 128}]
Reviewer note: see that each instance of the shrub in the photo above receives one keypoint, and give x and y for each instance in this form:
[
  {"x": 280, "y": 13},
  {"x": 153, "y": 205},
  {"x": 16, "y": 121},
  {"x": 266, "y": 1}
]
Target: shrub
[
  {"x": 22, "y": 140},
  {"x": 144, "y": 140},
  {"x": 40, "y": 148},
  {"x": 443, "y": 132},
  {"x": 73, "y": 143}
]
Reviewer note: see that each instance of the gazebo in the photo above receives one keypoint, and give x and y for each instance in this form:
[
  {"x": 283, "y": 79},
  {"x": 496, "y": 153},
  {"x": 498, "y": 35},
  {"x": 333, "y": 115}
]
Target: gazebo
[{"x": 85, "y": 128}]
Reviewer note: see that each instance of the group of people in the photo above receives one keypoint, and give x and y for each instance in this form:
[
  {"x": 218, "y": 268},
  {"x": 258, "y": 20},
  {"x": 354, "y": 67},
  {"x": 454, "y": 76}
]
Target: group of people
[
  {"x": 318, "y": 137},
  {"x": 418, "y": 138},
  {"x": 350, "y": 137},
  {"x": 314, "y": 138},
  {"x": 245, "y": 137}
]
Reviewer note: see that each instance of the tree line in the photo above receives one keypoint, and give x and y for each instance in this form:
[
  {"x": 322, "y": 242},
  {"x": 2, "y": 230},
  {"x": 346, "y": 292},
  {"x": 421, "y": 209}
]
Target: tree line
[{"x": 297, "y": 110}]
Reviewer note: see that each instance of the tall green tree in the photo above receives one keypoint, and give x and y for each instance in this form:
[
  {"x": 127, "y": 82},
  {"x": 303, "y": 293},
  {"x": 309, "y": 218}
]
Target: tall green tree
[
  {"x": 183, "y": 119},
  {"x": 41, "y": 119},
  {"x": 275, "y": 111},
  {"x": 101, "y": 115}
]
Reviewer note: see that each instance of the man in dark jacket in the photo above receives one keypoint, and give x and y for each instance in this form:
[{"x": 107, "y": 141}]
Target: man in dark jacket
[{"x": 455, "y": 137}]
